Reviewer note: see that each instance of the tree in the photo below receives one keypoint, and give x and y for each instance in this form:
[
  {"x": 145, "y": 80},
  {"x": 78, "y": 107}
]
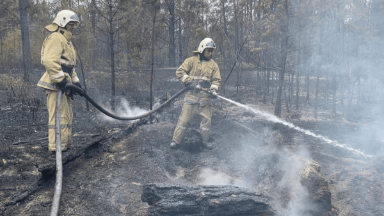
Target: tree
[
  {"x": 171, "y": 29},
  {"x": 155, "y": 8},
  {"x": 23, "y": 5},
  {"x": 108, "y": 9},
  {"x": 284, "y": 24}
]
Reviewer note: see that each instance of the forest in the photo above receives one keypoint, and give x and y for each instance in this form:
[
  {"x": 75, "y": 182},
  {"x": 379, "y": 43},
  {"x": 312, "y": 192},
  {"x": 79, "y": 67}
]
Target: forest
[{"x": 304, "y": 52}]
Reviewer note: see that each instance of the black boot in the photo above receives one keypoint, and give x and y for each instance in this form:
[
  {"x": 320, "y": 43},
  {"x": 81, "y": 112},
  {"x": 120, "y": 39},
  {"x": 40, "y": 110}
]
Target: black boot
[{"x": 174, "y": 145}]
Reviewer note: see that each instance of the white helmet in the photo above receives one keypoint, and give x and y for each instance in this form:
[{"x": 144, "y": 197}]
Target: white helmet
[
  {"x": 62, "y": 19},
  {"x": 206, "y": 43}
]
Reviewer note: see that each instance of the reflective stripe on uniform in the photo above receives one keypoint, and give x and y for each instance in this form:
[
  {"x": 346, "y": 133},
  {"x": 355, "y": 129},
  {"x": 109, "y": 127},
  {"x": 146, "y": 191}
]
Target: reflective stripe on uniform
[
  {"x": 181, "y": 127},
  {"x": 67, "y": 63},
  {"x": 49, "y": 85},
  {"x": 205, "y": 128}
]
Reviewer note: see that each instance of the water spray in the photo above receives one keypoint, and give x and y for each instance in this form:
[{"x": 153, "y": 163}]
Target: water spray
[
  {"x": 266, "y": 115},
  {"x": 275, "y": 119}
]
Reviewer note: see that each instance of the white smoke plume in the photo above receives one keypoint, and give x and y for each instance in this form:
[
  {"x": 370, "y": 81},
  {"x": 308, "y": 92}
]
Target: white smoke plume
[
  {"x": 123, "y": 109},
  {"x": 256, "y": 167},
  {"x": 209, "y": 176}
]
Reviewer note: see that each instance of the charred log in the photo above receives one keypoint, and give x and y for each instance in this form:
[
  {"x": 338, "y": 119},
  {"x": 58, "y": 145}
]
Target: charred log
[{"x": 204, "y": 200}]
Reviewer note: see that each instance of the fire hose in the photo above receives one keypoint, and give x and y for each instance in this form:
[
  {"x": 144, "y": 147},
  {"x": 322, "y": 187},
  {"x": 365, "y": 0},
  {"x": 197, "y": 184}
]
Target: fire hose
[
  {"x": 83, "y": 93},
  {"x": 59, "y": 164}
]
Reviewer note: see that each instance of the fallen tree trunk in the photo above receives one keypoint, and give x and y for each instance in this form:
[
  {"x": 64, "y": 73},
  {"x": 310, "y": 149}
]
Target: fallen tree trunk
[{"x": 203, "y": 200}]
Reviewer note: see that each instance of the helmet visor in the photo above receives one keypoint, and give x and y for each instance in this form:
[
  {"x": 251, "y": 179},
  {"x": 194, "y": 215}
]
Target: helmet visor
[
  {"x": 211, "y": 44},
  {"x": 74, "y": 17}
]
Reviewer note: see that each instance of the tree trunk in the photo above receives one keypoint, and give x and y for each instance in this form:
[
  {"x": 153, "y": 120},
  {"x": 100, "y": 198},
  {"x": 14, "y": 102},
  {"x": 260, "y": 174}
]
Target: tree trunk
[
  {"x": 94, "y": 55},
  {"x": 258, "y": 82},
  {"x": 224, "y": 37},
  {"x": 334, "y": 95},
  {"x": 286, "y": 98},
  {"x": 317, "y": 95},
  {"x": 152, "y": 56},
  {"x": 350, "y": 94},
  {"x": 291, "y": 87},
  {"x": 1, "y": 52},
  {"x": 307, "y": 83},
  {"x": 266, "y": 93},
  {"x": 23, "y": 4},
  {"x": 236, "y": 45},
  {"x": 180, "y": 41},
  {"x": 171, "y": 30},
  {"x": 284, "y": 51},
  {"x": 112, "y": 56},
  {"x": 298, "y": 80}
]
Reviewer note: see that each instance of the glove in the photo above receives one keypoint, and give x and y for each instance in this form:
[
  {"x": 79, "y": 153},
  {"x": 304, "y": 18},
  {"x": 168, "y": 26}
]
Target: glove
[
  {"x": 81, "y": 93},
  {"x": 214, "y": 93},
  {"x": 78, "y": 84},
  {"x": 190, "y": 82},
  {"x": 71, "y": 93},
  {"x": 62, "y": 84}
]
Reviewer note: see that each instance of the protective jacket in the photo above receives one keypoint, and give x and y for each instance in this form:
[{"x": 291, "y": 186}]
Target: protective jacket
[
  {"x": 197, "y": 101},
  {"x": 57, "y": 53},
  {"x": 203, "y": 72},
  {"x": 59, "y": 58}
]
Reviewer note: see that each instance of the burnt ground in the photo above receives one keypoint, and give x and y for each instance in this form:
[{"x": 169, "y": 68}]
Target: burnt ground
[{"x": 110, "y": 161}]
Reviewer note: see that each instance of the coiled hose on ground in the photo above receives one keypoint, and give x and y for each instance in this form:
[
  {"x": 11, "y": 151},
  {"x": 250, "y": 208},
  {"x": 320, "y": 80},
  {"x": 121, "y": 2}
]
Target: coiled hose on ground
[{"x": 81, "y": 92}]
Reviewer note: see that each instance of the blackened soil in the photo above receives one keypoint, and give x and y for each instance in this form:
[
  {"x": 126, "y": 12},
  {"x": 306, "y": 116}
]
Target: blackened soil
[{"x": 110, "y": 162}]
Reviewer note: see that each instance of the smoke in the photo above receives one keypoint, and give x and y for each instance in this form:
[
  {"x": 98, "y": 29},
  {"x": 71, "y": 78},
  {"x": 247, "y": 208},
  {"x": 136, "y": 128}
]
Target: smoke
[
  {"x": 122, "y": 109},
  {"x": 299, "y": 201},
  {"x": 263, "y": 165},
  {"x": 209, "y": 176}
]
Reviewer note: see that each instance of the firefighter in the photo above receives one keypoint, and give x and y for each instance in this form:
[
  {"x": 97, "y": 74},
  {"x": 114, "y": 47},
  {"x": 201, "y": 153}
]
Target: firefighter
[
  {"x": 198, "y": 70},
  {"x": 59, "y": 59}
]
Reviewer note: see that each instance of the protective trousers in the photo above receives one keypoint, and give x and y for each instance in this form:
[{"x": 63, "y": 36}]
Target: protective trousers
[
  {"x": 187, "y": 112},
  {"x": 65, "y": 120}
]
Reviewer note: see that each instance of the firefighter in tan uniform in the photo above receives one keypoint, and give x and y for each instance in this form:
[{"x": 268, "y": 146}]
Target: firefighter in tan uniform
[
  {"x": 59, "y": 58},
  {"x": 199, "y": 70}
]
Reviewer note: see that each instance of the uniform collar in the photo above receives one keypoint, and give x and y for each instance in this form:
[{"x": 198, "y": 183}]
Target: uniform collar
[
  {"x": 202, "y": 58},
  {"x": 67, "y": 34}
]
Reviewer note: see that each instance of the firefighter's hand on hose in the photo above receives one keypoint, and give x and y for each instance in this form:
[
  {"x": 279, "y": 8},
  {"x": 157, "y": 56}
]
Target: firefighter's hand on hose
[
  {"x": 193, "y": 84},
  {"x": 214, "y": 93},
  {"x": 62, "y": 84},
  {"x": 71, "y": 93},
  {"x": 78, "y": 85},
  {"x": 81, "y": 93}
]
